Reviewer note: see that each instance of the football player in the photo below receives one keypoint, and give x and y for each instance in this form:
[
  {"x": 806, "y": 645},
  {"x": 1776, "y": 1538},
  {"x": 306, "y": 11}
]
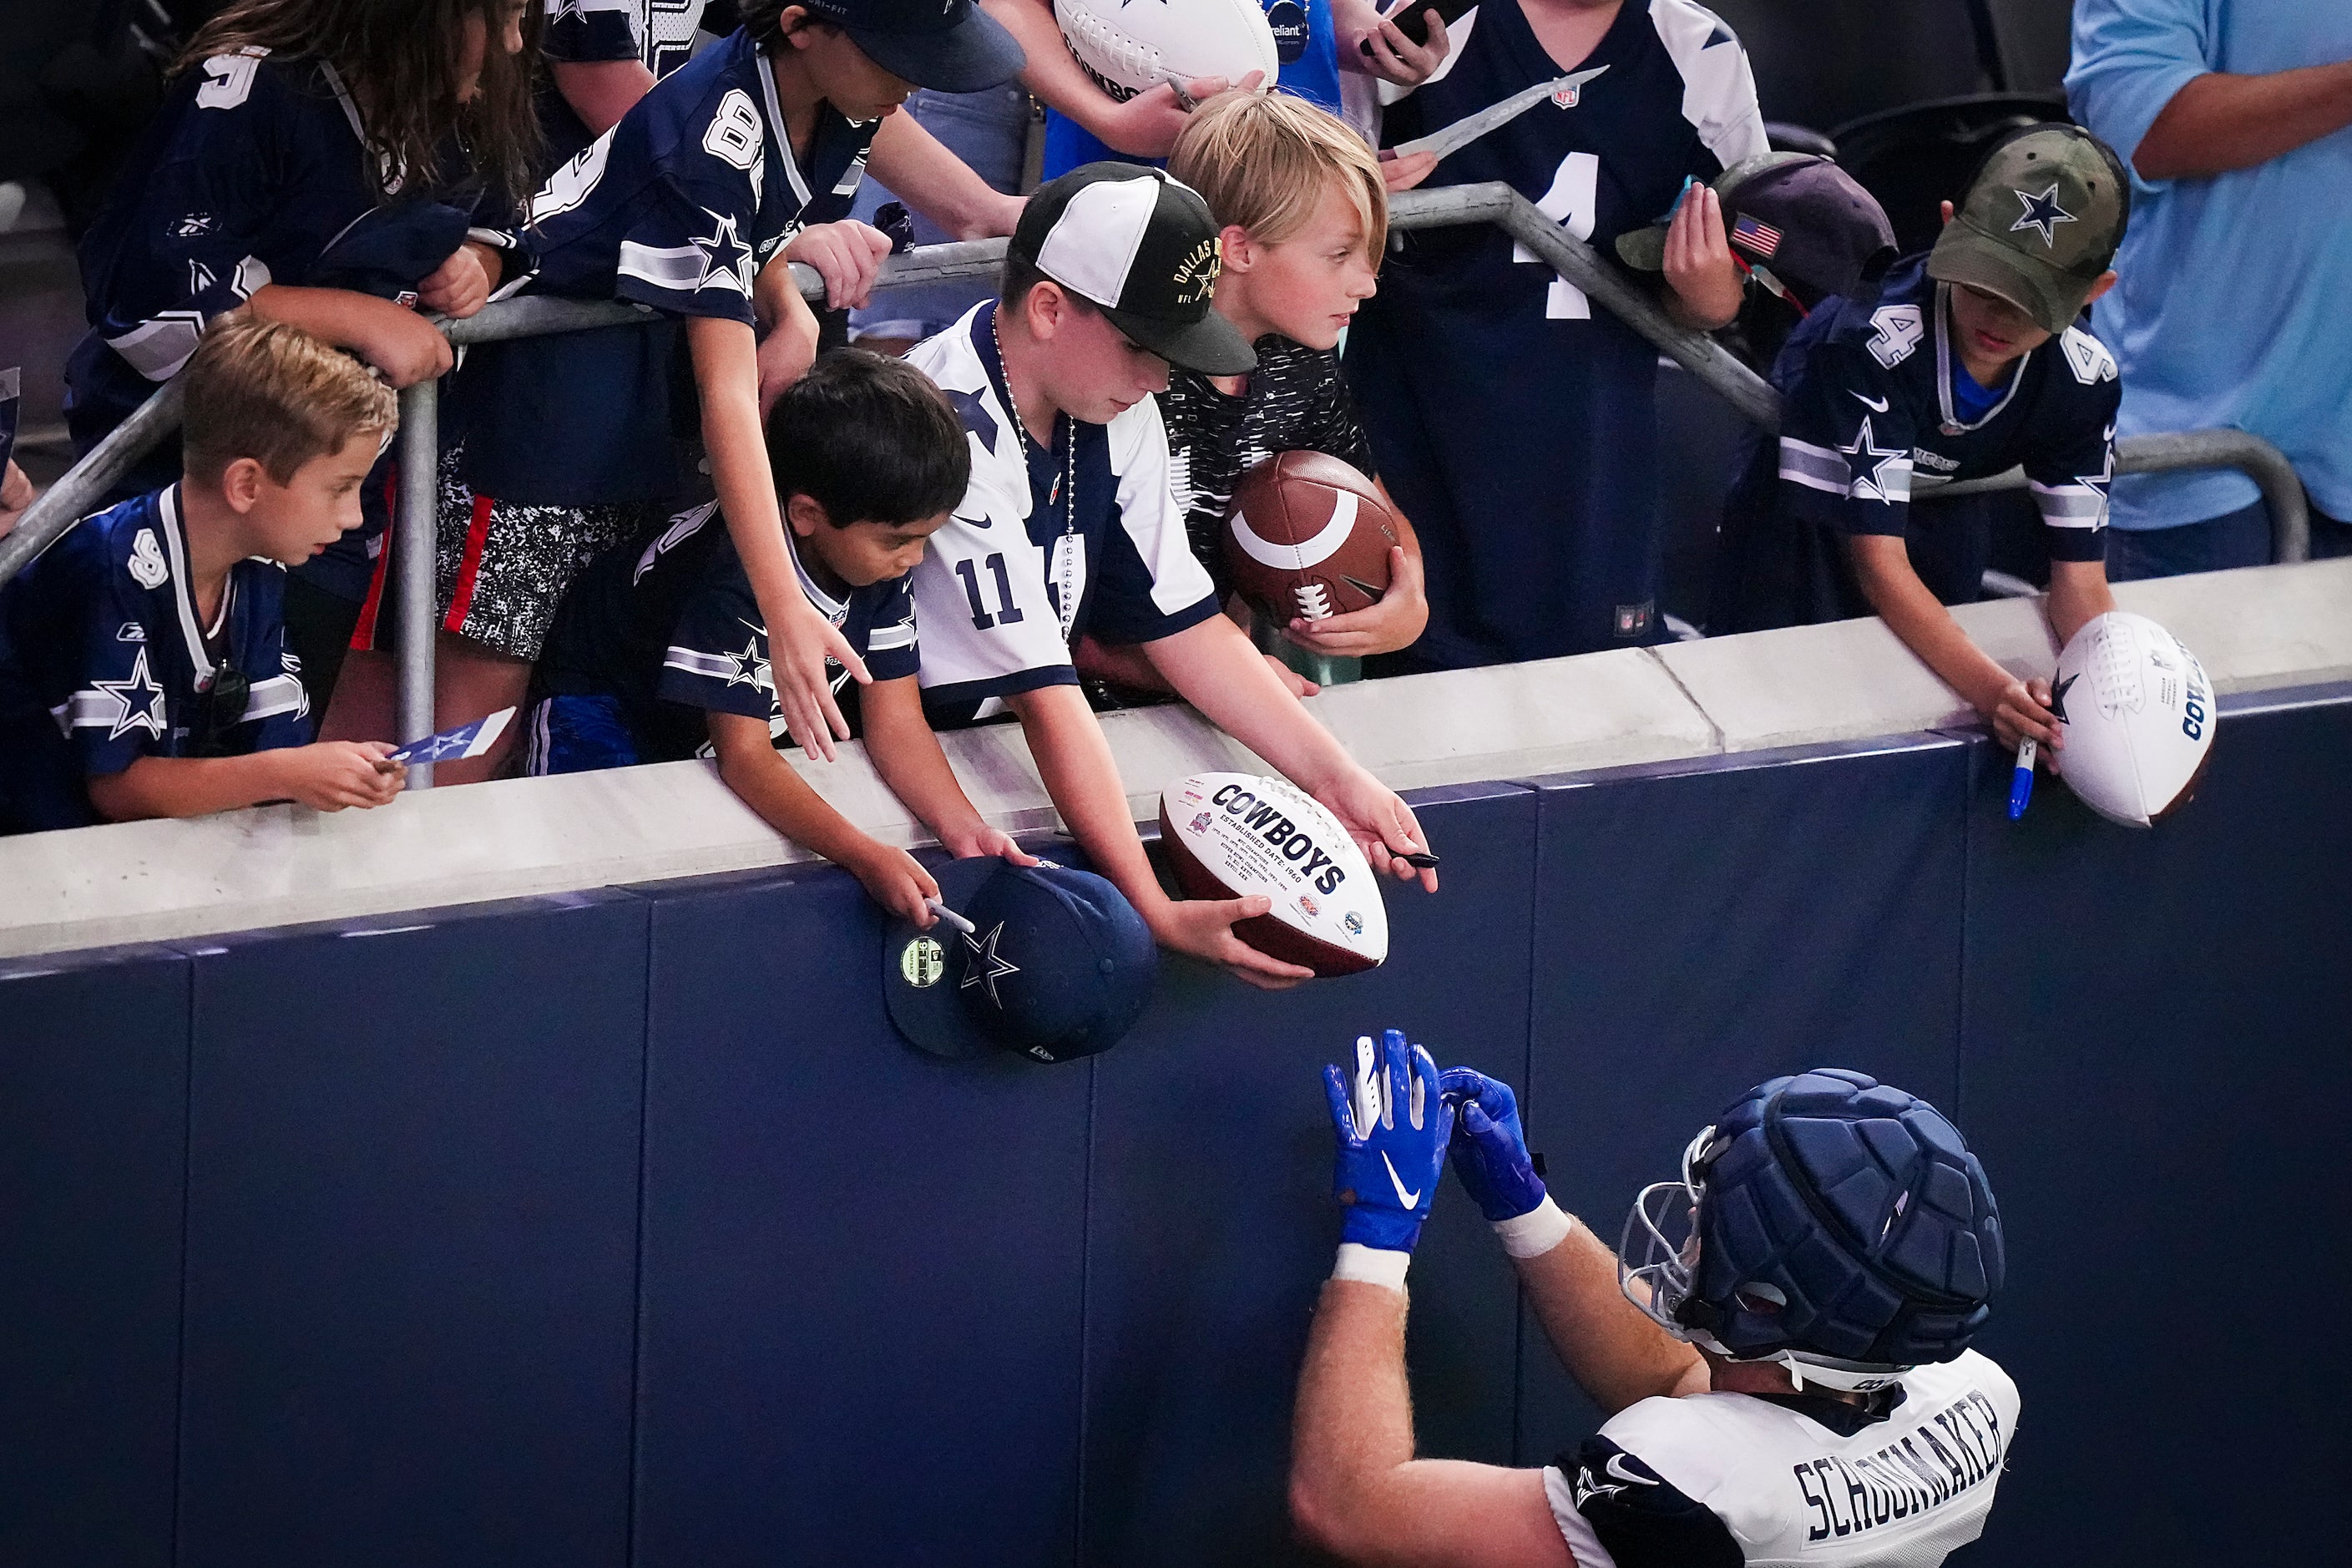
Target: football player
[
  {"x": 1781, "y": 1351},
  {"x": 1070, "y": 528},
  {"x": 1959, "y": 363}
]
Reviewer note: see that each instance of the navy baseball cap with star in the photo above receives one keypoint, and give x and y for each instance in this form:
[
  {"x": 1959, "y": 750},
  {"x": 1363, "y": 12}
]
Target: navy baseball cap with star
[
  {"x": 947, "y": 46},
  {"x": 1057, "y": 964}
]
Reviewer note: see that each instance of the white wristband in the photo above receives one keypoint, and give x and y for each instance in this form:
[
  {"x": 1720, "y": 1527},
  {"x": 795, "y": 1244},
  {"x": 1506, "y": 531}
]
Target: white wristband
[
  {"x": 1371, "y": 1265},
  {"x": 1535, "y": 1232}
]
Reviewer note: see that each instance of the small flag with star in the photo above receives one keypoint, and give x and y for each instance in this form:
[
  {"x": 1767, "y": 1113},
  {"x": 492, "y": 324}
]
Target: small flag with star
[
  {"x": 457, "y": 745},
  {"x": 1759, "y": 238}
]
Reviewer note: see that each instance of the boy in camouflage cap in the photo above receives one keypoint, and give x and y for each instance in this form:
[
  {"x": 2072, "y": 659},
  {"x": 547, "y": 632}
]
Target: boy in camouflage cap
[{"x": 1959, "y": 363}]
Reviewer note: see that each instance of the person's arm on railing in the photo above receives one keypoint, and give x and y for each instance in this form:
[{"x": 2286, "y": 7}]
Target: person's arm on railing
[
  {"x": 403, "y": 345},
  {"x": 933, "y": 181}
]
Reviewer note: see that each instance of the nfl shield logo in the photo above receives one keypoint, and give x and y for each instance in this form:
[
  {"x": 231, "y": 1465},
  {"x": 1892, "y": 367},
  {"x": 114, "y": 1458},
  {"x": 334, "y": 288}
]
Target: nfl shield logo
[{"x": 1567, "y": 97}]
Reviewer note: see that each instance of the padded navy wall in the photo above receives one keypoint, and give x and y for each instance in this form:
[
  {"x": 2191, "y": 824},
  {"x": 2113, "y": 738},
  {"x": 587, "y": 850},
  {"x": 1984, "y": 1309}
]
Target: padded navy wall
[{"x": 619, "y": 1228}]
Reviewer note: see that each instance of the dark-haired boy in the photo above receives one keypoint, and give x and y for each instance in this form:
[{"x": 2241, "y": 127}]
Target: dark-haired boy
[
  {"x": 1070, "y": 527},
  {"x": 1957, "y": 364},
  {"x": 143, "y": 669},
  {"x": 660, "y": 652}
]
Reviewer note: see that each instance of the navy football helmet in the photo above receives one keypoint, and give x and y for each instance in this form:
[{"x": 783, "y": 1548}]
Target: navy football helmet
[{"x": 1826, "y": 1221}]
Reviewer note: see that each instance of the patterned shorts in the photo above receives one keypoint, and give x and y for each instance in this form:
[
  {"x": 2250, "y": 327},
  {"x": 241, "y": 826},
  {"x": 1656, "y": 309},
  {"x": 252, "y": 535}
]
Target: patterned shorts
[{"x": 501, "y": 566}]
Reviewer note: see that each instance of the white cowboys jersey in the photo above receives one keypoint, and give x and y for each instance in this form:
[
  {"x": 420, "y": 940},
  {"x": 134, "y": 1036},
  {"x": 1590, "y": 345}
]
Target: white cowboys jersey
[
  {"x": 1736, "y": 1480},
  {"x": 1022, "y": 570}
]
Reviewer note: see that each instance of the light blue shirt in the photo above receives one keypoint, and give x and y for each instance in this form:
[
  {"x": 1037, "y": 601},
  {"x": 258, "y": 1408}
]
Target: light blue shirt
[{"x": 2234, "y": 299}]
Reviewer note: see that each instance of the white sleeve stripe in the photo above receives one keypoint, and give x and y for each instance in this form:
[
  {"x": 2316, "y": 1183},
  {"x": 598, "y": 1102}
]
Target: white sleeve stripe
[
  {"x": 1809, "y": 464},
  {"x": 672, "y": 267},
  {"x": 278, "y": 694},
  {"x": 157, "y": 349},
  {"x": 2070, "y": 506},
  {"x": 889, "y": 640},
  {"x": 716, "y": 666},
  {"x": 1810, "y": 483},
  {"x": 252, "y": 276}
]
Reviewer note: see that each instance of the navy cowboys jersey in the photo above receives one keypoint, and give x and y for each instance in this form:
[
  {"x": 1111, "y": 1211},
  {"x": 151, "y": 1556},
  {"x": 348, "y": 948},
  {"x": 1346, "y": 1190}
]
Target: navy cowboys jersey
[
  {"x": 253, "y": 171},
  {"x": 103, "y": 660},
  {"x": 1515, "y": 423},
  {"x": 679, "y": 208},
  {"x": 660, "y": 35},
  {"x": 1723, "y": 1480},
  {"x": 1022, "y": 570},
  {"x": 671, "y": 629},
  {"x": 1869, "y": 414}
]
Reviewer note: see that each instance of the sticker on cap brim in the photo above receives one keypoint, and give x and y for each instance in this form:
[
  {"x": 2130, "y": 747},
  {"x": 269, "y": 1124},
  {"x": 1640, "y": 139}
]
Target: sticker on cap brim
[{"x": 922, "y": 963}]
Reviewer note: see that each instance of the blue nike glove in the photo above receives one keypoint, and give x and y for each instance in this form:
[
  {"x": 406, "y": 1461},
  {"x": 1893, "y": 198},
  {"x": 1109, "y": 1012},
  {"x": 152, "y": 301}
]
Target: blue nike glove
[
  {"x": 1391, "y": 1124},
  {"x": 1489, "y": 1148}
]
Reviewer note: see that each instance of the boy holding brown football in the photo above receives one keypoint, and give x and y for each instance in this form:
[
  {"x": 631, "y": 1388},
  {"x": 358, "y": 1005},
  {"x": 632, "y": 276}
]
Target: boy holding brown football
[
  {"x": 1304, "y": 213},
  {"x": 1069, "y": 528}
]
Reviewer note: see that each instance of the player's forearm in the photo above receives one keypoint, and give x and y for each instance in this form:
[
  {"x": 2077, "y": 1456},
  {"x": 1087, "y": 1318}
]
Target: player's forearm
[
  {"x": 1213, "y": 667},
  {"x": 933, "y": 181},
  {"x": 1353, "y": 1424},
  {"x": 727, "y": 376},
  {"x": 2078, "y": 592},
  {"x": 1080, "y": 775},
  {"x": 901, "y": 746},
  {"x": 2218, "y": 121},
  {"x": 601, "y": 91},
  {"x": 763, "y": 780},
  {"x": 1616, "y": 1354},
  {"x": 185, "y": 786},
  {"x": 1883, "y": 566},
  {"x": 1052, "y": 72}
]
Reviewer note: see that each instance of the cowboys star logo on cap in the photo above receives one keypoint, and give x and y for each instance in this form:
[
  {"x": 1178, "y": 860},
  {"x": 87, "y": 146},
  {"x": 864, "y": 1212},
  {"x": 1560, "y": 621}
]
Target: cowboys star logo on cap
[
  {"x": 2043, "y": 214},
  {"x": 984, "y": 966}
]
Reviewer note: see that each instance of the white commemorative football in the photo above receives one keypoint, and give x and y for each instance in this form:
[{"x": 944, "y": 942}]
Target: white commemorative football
[
  {"x": 1131, "y": 46},
  {"x": 1232, "y": 834},
  {"x": 2138, "y": 716}
]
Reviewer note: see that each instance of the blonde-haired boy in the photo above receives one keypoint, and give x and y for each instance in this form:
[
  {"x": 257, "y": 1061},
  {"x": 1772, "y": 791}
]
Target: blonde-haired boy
[
  {"x": 144, "y": 670},
  {"x": 1303, "y": 213}
]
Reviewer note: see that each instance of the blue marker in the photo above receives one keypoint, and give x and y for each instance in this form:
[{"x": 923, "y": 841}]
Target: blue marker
[{"x": 2020, "y": 783}]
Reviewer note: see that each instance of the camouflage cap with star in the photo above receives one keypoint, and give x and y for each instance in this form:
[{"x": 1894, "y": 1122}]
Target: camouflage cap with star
[{"x": 2039, "y": 225}]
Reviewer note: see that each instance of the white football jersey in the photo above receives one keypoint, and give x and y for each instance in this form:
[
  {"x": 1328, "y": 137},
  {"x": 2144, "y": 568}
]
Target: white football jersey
[
  {"x": 1022, "y": 569},
  {"x": 1721, "y": 1480}
]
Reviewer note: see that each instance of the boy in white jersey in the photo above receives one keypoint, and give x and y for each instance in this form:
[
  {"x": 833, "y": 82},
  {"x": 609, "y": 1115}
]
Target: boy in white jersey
[
  {"x": 1069, "y": 529},
  {"x": 1785, "y": 1366}
]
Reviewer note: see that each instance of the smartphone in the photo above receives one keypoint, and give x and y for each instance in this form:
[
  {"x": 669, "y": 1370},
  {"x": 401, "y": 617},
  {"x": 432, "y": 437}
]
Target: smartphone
[{"x": 1413, "y": 17}]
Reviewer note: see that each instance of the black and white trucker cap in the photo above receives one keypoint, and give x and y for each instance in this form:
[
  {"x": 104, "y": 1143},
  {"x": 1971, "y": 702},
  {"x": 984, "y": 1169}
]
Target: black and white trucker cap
[{"x": 1144, "y": 249}]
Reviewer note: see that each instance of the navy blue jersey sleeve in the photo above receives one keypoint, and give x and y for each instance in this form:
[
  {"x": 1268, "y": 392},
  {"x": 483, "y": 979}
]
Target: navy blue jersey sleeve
[
  {"x": 581, "y": 32},
  {"x": 716, "y": 659},
  {"x": 1642, "y": 1519},
  {"x": 1845, "y": 443},
  {"x": 186, "y": 247},
  {"x": 689, "y": 245},
  {"x": 2071, "y": 455}
]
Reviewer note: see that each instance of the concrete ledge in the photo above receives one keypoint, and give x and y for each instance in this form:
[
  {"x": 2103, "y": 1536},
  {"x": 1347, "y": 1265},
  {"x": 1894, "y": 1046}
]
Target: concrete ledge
[{"x": 2264, "y": 629}]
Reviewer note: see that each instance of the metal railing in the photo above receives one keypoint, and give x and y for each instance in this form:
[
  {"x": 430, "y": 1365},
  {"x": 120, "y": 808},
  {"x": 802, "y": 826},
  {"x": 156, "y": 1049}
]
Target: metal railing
[{"x": 413, "y": 539}]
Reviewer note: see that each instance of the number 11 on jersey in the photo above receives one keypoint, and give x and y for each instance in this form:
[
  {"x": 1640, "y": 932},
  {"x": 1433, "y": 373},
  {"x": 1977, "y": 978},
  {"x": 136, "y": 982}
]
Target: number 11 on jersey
[{"x": 1007, "y": 613}]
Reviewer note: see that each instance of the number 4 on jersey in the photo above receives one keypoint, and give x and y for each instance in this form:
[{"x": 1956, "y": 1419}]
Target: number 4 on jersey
[{"x": 1569, "y": 203}]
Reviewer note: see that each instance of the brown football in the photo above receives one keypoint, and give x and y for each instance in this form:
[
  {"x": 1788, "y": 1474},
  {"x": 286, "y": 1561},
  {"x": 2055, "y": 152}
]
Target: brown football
[{"x": 1308, "y": 536}]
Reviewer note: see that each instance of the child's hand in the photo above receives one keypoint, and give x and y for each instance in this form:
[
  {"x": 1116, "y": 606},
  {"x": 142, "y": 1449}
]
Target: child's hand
[
  {"x": 1393, "y": 623},
  {"x": 1292, "y": 681},
  {"x": 332, "y": 775},
  {"x": 16, "y": 494},
  {"x": 799, "y": 642},
  {"x": 402, "y": 345},
  {"x": 1205, "y": 929},
  {"x": 846, "y": 255},
  {"x": 1146, "y": 125},
  {"x": 1388, "y": 54},
  {"x": 1698, "y": 260},
  {"x": 461, "y": 285},
  {"x": 2020, "y": 709},
  {"x": 1402, "y": 172},
  {"x": 1381, "y": 823},
  {"x": 894, "y": 880},
  {"x": 987, "y": 840}
]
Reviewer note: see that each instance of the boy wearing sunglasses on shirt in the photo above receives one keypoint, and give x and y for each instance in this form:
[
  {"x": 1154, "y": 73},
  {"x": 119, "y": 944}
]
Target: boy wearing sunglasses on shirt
[{"x": 144, "y": 670}]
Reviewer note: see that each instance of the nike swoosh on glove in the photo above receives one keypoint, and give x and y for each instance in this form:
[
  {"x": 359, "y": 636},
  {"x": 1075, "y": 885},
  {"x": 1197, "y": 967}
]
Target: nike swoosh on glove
[
  {"x": 1391, "y": 1124},
  {"x": 1489, "y": 1147}
]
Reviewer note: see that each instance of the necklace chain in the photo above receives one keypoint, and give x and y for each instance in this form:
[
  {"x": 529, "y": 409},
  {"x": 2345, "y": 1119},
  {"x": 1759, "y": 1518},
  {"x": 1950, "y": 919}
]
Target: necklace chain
[{"x": 1066, "y": 550}]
